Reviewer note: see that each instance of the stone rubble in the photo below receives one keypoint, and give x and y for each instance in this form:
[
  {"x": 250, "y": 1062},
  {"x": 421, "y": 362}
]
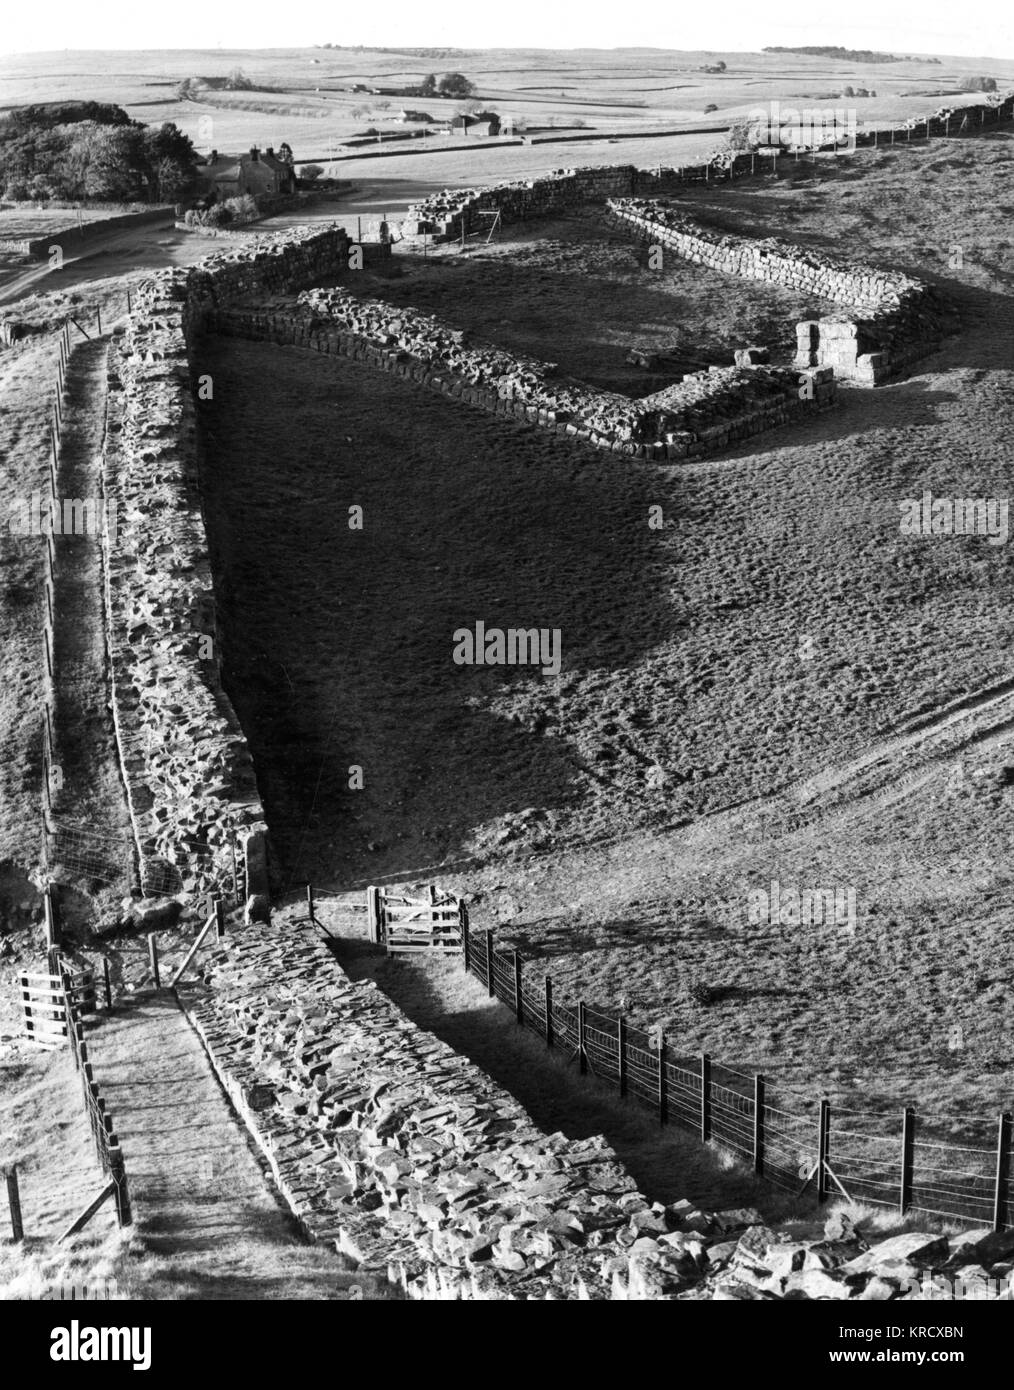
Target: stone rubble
[{"x": 414, "y": 1163}]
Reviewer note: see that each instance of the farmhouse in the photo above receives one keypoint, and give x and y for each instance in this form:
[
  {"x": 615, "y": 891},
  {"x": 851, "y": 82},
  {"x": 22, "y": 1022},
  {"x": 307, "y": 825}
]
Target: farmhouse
[
  {"x": 481, "y": 123},
  {"x": 256, "y": 173}
]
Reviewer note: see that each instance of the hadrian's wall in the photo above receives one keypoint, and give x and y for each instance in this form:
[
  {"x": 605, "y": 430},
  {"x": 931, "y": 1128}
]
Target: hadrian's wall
[
  {"x": 414, "y": 1164},
  {"x": 189, "y": 778},
  {"x": 443, "y": 214},
  {"x": 707, "y": 411},
  {"x": 890, "y": 318}
]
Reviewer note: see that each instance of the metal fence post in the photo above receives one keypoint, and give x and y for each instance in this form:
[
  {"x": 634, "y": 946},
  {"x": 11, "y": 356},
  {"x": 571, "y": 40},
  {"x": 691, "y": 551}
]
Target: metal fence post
[
  {"x": 705, "y": 1097},
  {"x": 758, "y": 1125},
  {"x": 823, "y": 1136},
  {"x": 489, "y": 965},
  {"x": 1000, "y": 1190},
  {"x": 621, "y": 1051},
  {"x": 907, "y": 1153},
  {"x": 107, "y": 982},
  {"x": 519, "y": 1011},
  {"x": 663, "y": 1081},
  {"x": 549, "y": 1012},
  {"x": 582, "y": 1059},
  {"x": 153, "y": 959}
]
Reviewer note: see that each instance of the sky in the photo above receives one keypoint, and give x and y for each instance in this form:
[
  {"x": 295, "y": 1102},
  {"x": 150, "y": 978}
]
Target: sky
[{"x": 897, "y": 26}]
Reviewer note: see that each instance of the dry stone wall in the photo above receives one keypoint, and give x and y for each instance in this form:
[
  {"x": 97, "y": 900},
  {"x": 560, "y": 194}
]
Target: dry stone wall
[
  {"x": 189, "y": 777},
  {"x": 414, "y": 1164},
  {"x": 443, "y": 214},
  {"x": 892, "y": 318},
  {"x": 706, "y": 412}
]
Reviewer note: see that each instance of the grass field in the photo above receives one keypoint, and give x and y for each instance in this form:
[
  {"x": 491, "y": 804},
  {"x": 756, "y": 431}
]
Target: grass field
[{"x": 779, "y": 631}]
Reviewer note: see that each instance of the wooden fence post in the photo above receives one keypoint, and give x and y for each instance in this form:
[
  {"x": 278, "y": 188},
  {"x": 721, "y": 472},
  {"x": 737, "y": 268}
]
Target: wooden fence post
[
  {"x": 118, "y": 1173},
  {"x": 107, "y": 981},
  {"x": 907, "y": 1152},
  {"x": 153, "y": 959},
  {"x": 758, "y": 1125},
  {"x": 52, "y": 934},
  {"x": 582, "y": 1059},
  {"x": 489, "y": 965},
  {"x": 519, "y": 1011},
  {"x": 621, "y": 1049},
  {"x": 1002, "y": 1171},
  {"x": 823, "y": 1135},
  {"x": 309, "y": 903},
  {"x": 373, "y": 913},
  {"x": 705, "y": 1097},
  {"x": 220, "y": 917},
  {"x": 14, "y": 1203},
  {"x": 466, "y": 943},
  {"x": 549, "y": 1012}
]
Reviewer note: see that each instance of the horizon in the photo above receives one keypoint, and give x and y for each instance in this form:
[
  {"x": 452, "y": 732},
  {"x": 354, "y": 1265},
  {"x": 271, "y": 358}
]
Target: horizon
[{"x": 910, "y": 28}]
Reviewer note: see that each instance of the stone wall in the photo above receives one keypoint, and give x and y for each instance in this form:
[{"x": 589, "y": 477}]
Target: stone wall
[
  {"x": 189, "y": 777},
  {"x": 892, "y": 318},
  {"x": 443, "y": 214},
  {"x": 706, "y": 412},
  {"x": 414, "y": 1164},
  {"x": 72, "y": 236}
]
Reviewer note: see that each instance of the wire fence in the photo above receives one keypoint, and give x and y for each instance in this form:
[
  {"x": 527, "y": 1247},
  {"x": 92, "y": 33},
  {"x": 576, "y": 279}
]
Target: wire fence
[{"x": 901, "y": 1161}]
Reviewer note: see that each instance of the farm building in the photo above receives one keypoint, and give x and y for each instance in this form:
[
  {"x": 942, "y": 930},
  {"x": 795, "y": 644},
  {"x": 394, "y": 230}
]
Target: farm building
[
  {"x": 481, "y": 123},
  {"x": 257, "y": 173}
]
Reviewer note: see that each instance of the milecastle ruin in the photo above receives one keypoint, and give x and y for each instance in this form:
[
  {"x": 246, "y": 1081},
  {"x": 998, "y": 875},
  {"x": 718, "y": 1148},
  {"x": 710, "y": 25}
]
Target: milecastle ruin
[{"x": 188, "y": 771}]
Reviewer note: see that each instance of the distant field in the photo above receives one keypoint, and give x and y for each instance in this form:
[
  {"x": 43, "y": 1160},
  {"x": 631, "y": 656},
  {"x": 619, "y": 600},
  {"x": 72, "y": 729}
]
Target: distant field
[
  {"x": 310, "y": 104},
  {"x": 19, "y": 224}
]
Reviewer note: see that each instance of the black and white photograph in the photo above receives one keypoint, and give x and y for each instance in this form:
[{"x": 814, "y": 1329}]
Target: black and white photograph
[{"x": 506, "y": 675}]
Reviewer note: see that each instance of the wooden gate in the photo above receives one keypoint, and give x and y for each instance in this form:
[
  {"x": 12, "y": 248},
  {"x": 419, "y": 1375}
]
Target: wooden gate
[
  {"x": 45, "y": 1004},
  {"x": 408, "y": 925}
]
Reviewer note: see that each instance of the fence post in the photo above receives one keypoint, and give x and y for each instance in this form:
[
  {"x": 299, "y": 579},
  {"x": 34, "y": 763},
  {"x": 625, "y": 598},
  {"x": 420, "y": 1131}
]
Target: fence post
[
  {"x": 582, "y": 1059},
  {"x": 118, "y": 1173},
  {"x": 107, "y": 982},
  {"x": 705, "y": 1097},
  {"x": 489, "y": 965},
  {"x": 907, "y": 1151},
  {"x": 621, "y": 1047},
  {"x": 758, "y": 1125},
  {"x": 52, "y": 935},
  {"x": 518, "y": 1006},
  {"x": 14, "y": 1203},
  {"x": 663, "y": 1082},
  {"x": 373, "y": 913},
  {"x": 823, "y": 1134},
  {"x": 153, "y": 959},
  {"x": 549, "y": 1012},
  {"x": 220, "y": 918},
  {"x": 1002, "y": 1171},
  {"x": 466, "y": 944}
]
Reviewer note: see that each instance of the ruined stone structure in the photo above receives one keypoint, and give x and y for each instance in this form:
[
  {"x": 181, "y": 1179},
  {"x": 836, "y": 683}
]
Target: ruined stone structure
[
  {"x": 705, "y": 412},
  {"x": 190, "y": 783},
  {"x": 889, "y": 319}
]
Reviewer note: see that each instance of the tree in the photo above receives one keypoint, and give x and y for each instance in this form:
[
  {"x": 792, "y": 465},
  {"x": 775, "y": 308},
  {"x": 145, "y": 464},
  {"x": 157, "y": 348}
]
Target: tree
[
  {"x": 720, "y": 66},
  {"x": 285, "y": 149},
  {"x": 848, "y": 91},
  {"x": 310, "y": 172},
  {"x": 455, "y": 84},
  {"x": 238, "y": 81},
  {"x": 428, "y": 86}
]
